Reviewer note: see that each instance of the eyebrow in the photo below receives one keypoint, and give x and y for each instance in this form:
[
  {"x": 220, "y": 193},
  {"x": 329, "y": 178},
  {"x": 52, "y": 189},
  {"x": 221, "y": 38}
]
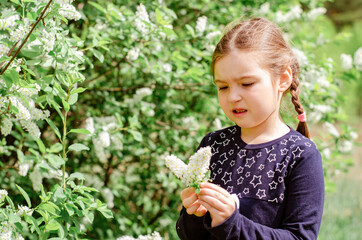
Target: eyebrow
[{"x": 237, "y": 79}]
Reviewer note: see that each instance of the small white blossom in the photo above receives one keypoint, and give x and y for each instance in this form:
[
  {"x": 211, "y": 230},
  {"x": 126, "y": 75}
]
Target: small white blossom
[
  {"x": 332, "y": 129},
  {"x": 153, "y": 236},
  {"x": 19, "y": 33},
  {"x": 3, "y": 50},
  {"x": 69, "y": 12},
  {"x": 24, "y": 210},
  {"x": 358, "y": 59},
  {"x": 104, "y": 139},
  {"x": 345, "y": 146},
  {"x": 212, "y": 35},
  {"x": 133, "y": 54},
  {"x": 201, "y": 24},
  {"x": 326, "y": 153},
  {"x": 264, "y": 9},
  {"x": 89, "y": 125},
  {"x": 48, "y": 39},
  {"x": 301, "y": 57},
  {"x": 143, "y": 92},
  {"x": 9, "y": 22},
  {"x": 314, "y": 13},
  {"x": 108, "y": 197},
  {"x": 346, "y": 61},
  {"x": 6, "y": 126},
  {"x": 19, "y": 237},
  {"x": 141, "y": 18},
  {"x": 31, "y": 127},
  {"x": 353, "y": 135},
  {"x": 23, "y": 169},
  {"x": 167, "y": 67},
  {"x": 3, "y": 193}
]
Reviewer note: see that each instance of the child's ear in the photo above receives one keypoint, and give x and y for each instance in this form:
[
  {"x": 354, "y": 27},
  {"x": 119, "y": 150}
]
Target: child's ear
[{"x": 285, "y": 80}]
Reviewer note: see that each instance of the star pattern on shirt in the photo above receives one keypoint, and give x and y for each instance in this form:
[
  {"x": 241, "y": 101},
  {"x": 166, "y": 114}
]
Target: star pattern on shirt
[
  {"x": 246, "y": 191},
  {"x": 213, "y": 166},
  {"x": 226, "y": 142},
  {"x": 270, "y": 173},
  {"x": 256, "y": 181},
  {"x": 281, "y": 196},
  {"x": 219, "y": 171},
  {"x": 240, "y": 170},
  {"x": 213, "y": 176},
  {"x": 272, "y": 157},
  {"x": 280, "y": 167},
  {"x": 258, "y": 155},
  {"x": 297, "y": 152},
  {"x": 249, "y": 162},
  {"x": 261, "y": 167},
  {"x": 247, "y": 174},
  {"x": 232, "y": 163},
  {"x": 269, "y": 150},
  {"x": 227, "y": 177},
  {"x": 215, "y": 147},
  {"x": 280, "y": 179},
  {"x": 231, "y": 152},
  {"x": 242, "y": 153},
  {"x": 308, "y": 144},
  {"x": 222, "y": 135},
  {"x": 275, "y": 200},
  {"x": 273, "y": 185},
  {"x": 240, "y": 180},
  {"x": 261, "y": 193},
  {"x": 221, "y": 161},
  {"x": 294, "y": 138},
  {"x": 230, "y": 189},
  {"x": 284, "y": 151}
]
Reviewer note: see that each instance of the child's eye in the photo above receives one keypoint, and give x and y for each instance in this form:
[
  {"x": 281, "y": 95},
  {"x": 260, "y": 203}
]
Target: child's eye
[
  {"x": 247, "y": 84},
  {"x": 222, "y": 88}
]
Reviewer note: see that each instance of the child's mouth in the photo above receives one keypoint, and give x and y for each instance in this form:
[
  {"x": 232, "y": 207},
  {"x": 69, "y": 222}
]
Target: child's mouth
[{"x": 239, "y": 110}]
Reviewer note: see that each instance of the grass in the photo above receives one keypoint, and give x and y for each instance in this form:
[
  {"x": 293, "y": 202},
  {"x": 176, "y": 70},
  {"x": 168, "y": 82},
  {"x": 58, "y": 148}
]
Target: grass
[{"x": 342, "y": 217}]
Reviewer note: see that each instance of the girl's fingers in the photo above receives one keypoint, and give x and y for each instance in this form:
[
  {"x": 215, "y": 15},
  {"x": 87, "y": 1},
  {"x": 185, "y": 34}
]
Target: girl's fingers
[
  {"x": 216, "y": 188},
  {"x": 187, "y": 192},
  {"x": 201, "y": 211},
  {"x": 220, "y": 196},
  {"x": 212, "y": 201},
  {"x": 189, "y": 201},
  {"x": 192, "y": 209}
]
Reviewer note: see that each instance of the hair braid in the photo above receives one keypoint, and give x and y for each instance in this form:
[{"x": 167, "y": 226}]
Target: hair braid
[{"x": 294, "y": 91}]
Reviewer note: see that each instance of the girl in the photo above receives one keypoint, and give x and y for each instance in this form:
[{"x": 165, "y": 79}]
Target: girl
[{"x": 267, "y": 179}]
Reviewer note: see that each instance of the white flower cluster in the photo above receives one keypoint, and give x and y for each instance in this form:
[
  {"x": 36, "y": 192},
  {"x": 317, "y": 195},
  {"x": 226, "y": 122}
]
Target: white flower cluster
[
  {"x": 141, "y": 18},
  {"x": 3, "y": 50},
  {"x": 8, "y": 22},
  {"x": 69, "y": 12},
  {"x": 346, "y": 61},
  {"x": 27, "y": 112},
  {"x": 301, "y": 57},
  {"x": 6, "y": 232},
  {"x": 19, "y": 33},
  {"x": 294, "y": 13},
  {"x": 133, "y": 54},
  {"x": 201, "y": 24},
  {"x": 316, "y": 12},
  {"x": 3, "y": 194},
  {"x": 24, "y": 210},
  {"x": 153, "y": 236},
  {"x": 23, "y": 169},
  {"x": 358, "y": 59},
  {"x": 48, "y": 39},
  {"x": 167, "y": 67},
  {"x": 194, "y": 172}
]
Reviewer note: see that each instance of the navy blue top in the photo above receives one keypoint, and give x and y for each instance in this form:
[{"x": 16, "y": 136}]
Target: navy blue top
[{"x": 279, "y": 184}]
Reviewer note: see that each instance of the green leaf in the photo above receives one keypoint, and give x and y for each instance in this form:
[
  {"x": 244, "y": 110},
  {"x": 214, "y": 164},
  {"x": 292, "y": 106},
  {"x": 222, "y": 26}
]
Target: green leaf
[
  {"x": 11, "y": 76},
  {"x": 4, "y": 58},
  {"x": 89, "y": 215},
  {"x": 55, "y": 128},
  {"x": 56, "y": 148},
  {"x": 78, "y": 90},
  {"x": 16, "y": 2},
  {"x": 107, "y": 213},
  {"x": 33, "y": 222},
  {"x": 48, "y": 207},
  {"x": 52, "y": 225},
  {"x": 76, "y": 175},
  {"x": 98, "y": 55},
  {"x": 55, "y": 160},
  {"x": 78, "y": 147},
  {"x": 80, "y": 130},
  {"x": 97, "y": 6},
  {"x": 73, "y": 98},
  {"x": 136, "y": 135},
  {"x": 40, "y": 145},
  {"x": 8, "y": 199},
  {"x": 65, "y": 105},
  {"x": 25, "y": 195},
  {"x": 59, "y": 194}
]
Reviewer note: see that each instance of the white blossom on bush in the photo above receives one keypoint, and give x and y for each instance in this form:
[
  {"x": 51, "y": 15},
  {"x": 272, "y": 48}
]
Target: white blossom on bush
[
  {"x": 358, "y": 59},
  {"x": 201, "y": 24},
  {"x": 8, "y": 22},
  {"x": 104, "y": 139},
  {"x": 212, "y": 35},
  {"x": 332, "y": 129},
  {"x": 167, "y": 67},
  {"x": 346, "y": 61},
  {"x": 3, "y": 193},
  {"x": 6, "y": 126},
  {"x": 141, "y": 18},
  {"x": 345, "y": 146},
  {"x": 89, "y": 125},
  {"x": 24, "y": 210},
  {"x": 19, "y": 33},
  {"x": 301, "y": 57},
  {"x": 133, "y": 54},
  {"x": 316, "y": 12},
  {"x": 48, "y": 39},
  {"x": 153, "y": 236},
  {"x": 3, "y": 50},
  {"x": 69, "y": 12},
  {"x": 23, "y": 169},
  {"x": 194, "y": 172}
]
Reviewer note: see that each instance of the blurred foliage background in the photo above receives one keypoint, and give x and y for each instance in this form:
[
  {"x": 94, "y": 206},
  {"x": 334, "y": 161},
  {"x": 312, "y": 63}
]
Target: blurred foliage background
[{"x": 149, "y": 93}]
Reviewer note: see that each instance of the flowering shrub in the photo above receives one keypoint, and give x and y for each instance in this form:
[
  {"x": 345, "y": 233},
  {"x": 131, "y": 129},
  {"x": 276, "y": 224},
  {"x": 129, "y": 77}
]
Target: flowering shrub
[{"x": 94, "y": 93}]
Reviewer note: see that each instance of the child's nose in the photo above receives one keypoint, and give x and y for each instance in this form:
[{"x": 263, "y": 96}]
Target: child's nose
[{"x": 235, "y": 95}]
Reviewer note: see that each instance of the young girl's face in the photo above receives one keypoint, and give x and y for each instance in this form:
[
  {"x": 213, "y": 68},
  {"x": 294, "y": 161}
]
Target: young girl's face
[{"x": 247, "y": 94}]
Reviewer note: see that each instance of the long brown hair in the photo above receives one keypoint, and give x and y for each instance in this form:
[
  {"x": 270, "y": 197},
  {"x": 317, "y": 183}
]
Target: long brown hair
[{"x": 265, "y": 37}]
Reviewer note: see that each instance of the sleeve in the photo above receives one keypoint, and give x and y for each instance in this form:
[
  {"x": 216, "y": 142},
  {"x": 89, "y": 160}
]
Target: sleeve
[
  {"x": 190, "y": 227},
  {"x": 303, "y": 210}
]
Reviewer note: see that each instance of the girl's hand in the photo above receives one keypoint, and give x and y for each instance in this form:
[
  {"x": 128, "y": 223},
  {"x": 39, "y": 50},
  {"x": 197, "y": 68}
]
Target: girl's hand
[
  {"x": 217, "y": 201},
  {"x": 191, "y": 203}
]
